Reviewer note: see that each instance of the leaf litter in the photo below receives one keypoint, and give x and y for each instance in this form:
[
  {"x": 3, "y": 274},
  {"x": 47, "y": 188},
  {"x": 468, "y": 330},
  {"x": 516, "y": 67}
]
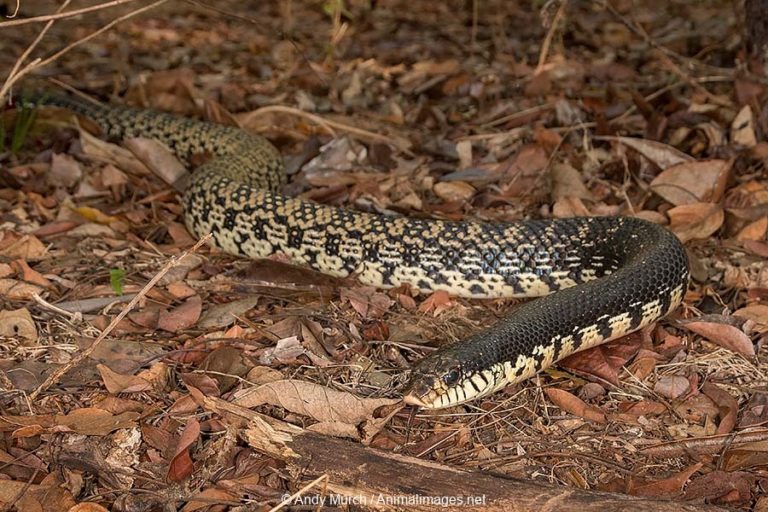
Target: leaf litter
[{"x": 395, "y": 123}]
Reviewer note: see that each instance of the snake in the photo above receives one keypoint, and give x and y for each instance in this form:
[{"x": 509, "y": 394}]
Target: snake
[{"x": 595, "y": 279}]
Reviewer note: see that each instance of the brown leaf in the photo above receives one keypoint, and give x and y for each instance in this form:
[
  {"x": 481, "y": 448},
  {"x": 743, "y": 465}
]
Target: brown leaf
[
  {"x": 605, "y": 361},
  {"x": 204, "y": 499},
  {"x": 65, "y": 171},
  {"x": 18, "y": 290},
  {"x": 367, "y": 301},
  {"x": 181, "y": 465},
  {"x": 663, "y": 155},
  {"x": 692, "y": 182},
  {"x": 119, "y": 383},
  {"x": 695, "y": 221},
  {"x": 97, "y": 422},
  {"x": 758, "y": 313},
  {"x": 182, "y": 317},
  {"x": 18, "y": 323},
  {"x": 313, "y": 400},
  {"x": 669, "y": 487},
  {"x": 727, "y": 405},
  {"x": 723, "y": 331},
  {"x": 754, "y": 231},
  {"x": 26, "y": 247},
  {"x": 454, "y": 190},
  {"x": 436, "y": 303},
  {"x": 159, "y": 158},
  {"x": 720, "y": 484},
  {"x": 572, "y": 404},
  {"x": 567, "y": 182},
  {"x": 743, "y": 128},
  {"x": 672, "y": 386},
  {"x": 746, "y": 456}
]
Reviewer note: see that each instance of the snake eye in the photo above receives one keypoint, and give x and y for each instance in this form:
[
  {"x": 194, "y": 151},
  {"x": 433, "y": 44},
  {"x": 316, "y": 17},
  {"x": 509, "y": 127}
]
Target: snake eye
[{"x": 452, "y": 377}]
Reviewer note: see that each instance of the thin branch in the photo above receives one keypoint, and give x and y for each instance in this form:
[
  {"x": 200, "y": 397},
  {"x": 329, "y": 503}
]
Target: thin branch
[
  {"x": 11, "y": 79},
  {"x": 38, "y": 63},
  {"x": 61, "y": 15}
]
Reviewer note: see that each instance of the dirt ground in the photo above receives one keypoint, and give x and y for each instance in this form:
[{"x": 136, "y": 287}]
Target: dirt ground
[{"x": 493, "y": 111}]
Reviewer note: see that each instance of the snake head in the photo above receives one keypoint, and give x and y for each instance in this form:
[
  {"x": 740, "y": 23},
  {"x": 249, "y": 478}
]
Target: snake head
[{"x": 442, "y": 380}]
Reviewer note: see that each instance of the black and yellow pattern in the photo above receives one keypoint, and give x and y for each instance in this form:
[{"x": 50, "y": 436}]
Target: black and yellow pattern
[{"x": 612, "y": 275}]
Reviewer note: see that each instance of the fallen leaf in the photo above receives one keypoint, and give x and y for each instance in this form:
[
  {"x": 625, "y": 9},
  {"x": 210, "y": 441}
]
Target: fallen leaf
[
  {"x": 572, "y": 404},
  {"x": 754, "y": 231},
  {"x": 663, "y": 155},
  {"x": 692, "y": 182},
  {"x": 90, "y": 421},
  {"x": 719, "y": 484},
  {"x": 223, "y": 315},
  {"x": 567, "y": 182},
  {"x": 454, "y": 190},
  {"x": 313, "y": 400},
  {"x": 18, "y": 323},
  {"x": 723, "y": 331},
  {"x": 65, "y": 171},
  {"x": 695, "y": 221},
  {"x": 605, "y": 361},
  {"x": 436, "y": 303},
  {"x": 181, "y": 317},
  {"x": 25, "y": 247},
  {"x": 727, "y": 405},
  {"x": 758, "y": 313},
  {"x": 743, "y": 128},
  {"x": 119, "y": 383},
  {"x": 669, "y": 487},
  {"x": 367, "y": 301},
  {"x": 672, "y": 386},
  {"x": 159, "y": 159},
  {"x": 181, "y": 465}
]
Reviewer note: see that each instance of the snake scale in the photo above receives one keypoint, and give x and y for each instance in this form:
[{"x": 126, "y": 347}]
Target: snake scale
[{"x": 611, "y": 275}]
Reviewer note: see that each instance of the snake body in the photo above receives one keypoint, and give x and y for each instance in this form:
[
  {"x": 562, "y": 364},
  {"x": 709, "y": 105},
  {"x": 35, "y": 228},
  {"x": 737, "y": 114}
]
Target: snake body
[{"x": 611, "y": 275}]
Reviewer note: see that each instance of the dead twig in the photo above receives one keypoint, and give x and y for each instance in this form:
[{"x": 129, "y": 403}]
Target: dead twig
[
  {"x": 55, "y": 376},
  {"x": 544, "y": 54},
  {"x": 61, "y": 15},
  {"x": 704, "y": 445},
  {"x": 17, "y": 74},
  {"x": 328, "y": 125}
]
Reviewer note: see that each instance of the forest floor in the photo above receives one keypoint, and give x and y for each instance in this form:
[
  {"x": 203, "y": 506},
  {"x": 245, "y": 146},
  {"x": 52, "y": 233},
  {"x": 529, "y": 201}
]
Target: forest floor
[{"x": 492, "y": 110}]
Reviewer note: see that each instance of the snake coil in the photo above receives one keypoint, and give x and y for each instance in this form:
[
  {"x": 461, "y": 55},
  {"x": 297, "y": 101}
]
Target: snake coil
[{"x": 611, "y": 275}]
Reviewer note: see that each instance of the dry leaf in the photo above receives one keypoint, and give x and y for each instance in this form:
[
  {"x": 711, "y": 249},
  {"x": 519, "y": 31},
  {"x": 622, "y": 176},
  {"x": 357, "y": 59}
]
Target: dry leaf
[
  {"x": 65, "y": 171},
  {"x": 572, "y": 404},
  {"x": 313, "y": 400},
  {"x": 90, "y": 421},
  {"x": 367, "y": 301},
  {"x": 692, "y": 182},
  {"x": 181, "y": 465},
  {"x": 728, "y": 407},
  {"x": 567, "y": 182},
  {"x": 754, "y": 230},
  {"x": 182, "y": 317},
  {"x": 454, "y": 190},
  {"x": 723, "y": 331},
  {"x": 743, "y": 128},
  {"x": 605, "y": 361},
  {"x": 669, "y": 487},
  {"x": 159, "y": 158},
  {"x": 672, "y": 386},
  {"x": 18, "y": 290},
  {"x": 663, "y": 155},
  {"x": 18, "y": 323},
  {"x": 695, "y": 221},
  {"x": 119, "y": 383}
]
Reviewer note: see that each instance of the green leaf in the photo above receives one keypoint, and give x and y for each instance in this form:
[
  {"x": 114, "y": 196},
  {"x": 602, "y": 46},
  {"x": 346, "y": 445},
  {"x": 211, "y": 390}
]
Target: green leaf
[{"x": 116, "y": 278}]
